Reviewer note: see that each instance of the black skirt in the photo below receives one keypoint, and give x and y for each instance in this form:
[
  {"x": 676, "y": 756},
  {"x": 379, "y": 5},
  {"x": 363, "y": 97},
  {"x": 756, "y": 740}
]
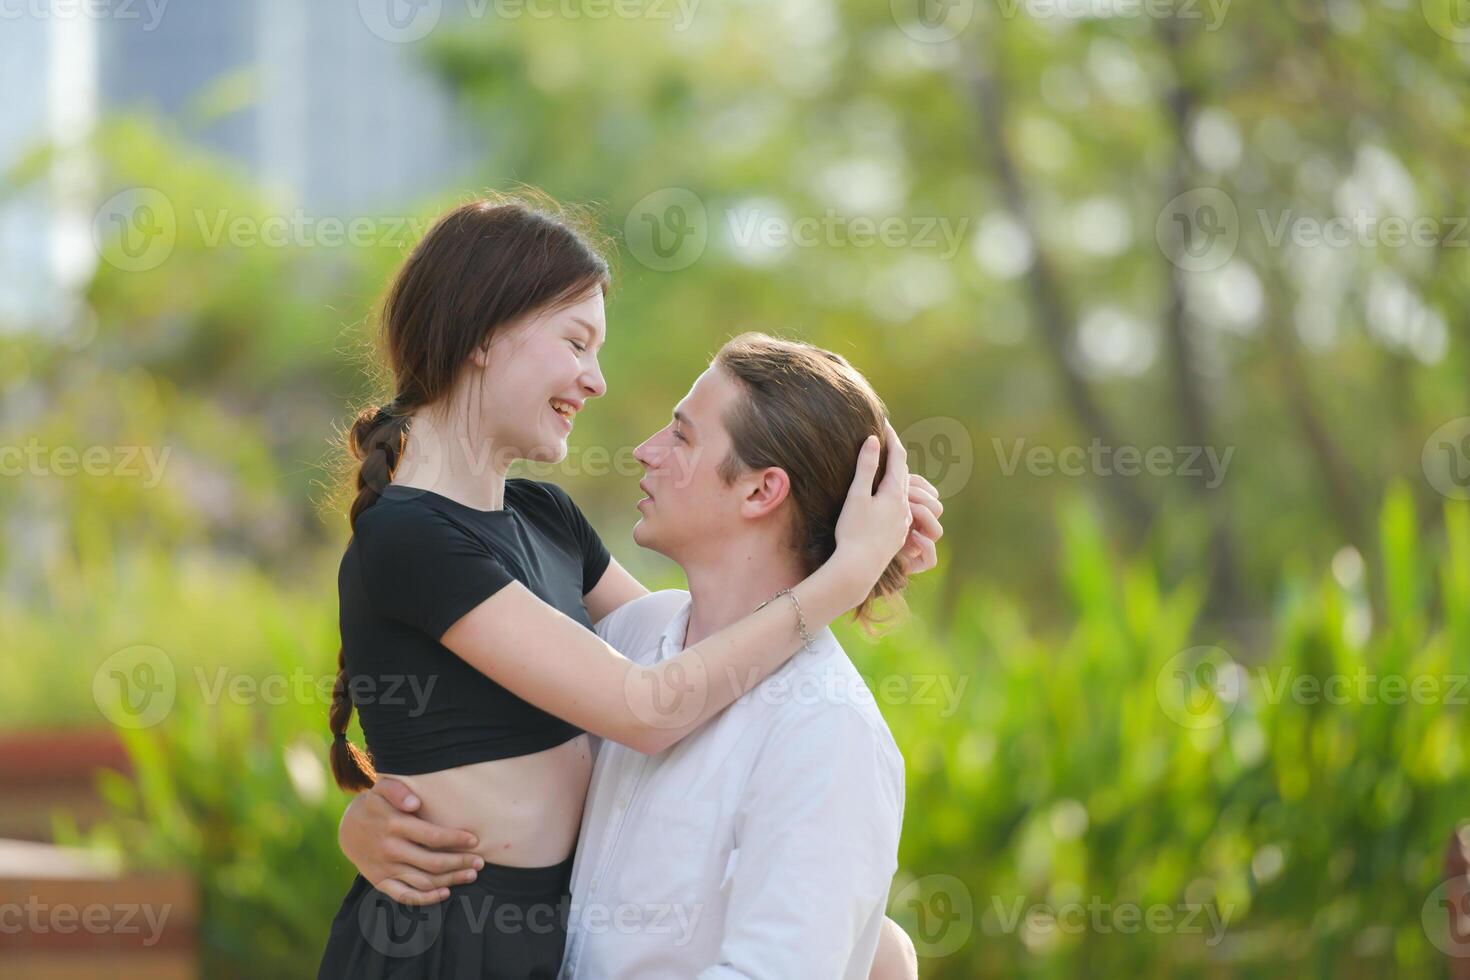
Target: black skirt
[{"x": 507, "y": 924}]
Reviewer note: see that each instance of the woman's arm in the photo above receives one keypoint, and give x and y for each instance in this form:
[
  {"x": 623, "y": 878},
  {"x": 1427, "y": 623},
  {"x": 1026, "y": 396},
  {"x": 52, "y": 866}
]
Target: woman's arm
[
  {"x": 617, "y": 585},
  {"x": 594, "y": 687},
  {"x": 896, "y": 958}
]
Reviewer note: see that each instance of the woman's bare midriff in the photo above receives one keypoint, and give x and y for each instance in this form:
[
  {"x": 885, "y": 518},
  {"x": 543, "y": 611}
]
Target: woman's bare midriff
[{"x": 525, "y": 810}]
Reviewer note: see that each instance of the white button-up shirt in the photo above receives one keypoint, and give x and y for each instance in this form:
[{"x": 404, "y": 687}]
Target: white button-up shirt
[{"x": 761, "y": 845}]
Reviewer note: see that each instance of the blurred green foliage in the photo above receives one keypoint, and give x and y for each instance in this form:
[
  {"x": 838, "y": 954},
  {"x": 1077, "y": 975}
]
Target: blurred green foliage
[{"x": 1266, "y": 832}]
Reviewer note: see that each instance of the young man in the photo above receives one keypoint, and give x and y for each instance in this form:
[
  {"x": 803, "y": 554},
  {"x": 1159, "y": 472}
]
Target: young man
[{"x": 763, "y": 844}]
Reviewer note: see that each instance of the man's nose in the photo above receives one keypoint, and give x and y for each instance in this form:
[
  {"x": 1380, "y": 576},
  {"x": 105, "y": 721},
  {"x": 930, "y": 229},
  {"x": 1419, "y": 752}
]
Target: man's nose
[{"x": 648, "y": 454}]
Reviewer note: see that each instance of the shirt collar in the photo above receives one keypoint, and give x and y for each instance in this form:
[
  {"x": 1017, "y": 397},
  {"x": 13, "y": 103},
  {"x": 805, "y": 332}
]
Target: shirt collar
[{"x": 671, "y": 643}]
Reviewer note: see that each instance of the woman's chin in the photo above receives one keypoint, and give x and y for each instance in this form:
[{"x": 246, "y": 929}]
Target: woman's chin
[{"x": 552, "y": 452}]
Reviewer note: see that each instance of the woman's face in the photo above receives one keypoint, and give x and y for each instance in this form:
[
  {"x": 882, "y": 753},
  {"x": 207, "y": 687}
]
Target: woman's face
[{"x": 537, "y": 375}]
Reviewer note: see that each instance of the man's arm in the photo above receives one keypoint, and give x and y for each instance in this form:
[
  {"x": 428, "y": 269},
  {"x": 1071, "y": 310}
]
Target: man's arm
[
  {"x": 405, "y": 857},
  {"x": 818, "y": 841},
  {"x": 616, "y": 588}
]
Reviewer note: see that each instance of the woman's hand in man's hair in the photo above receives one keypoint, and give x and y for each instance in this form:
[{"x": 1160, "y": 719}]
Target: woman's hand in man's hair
[{"x": 919, "y": 552}]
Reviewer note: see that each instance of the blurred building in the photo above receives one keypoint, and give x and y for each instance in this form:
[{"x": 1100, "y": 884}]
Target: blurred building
[{"x": 305, "y": 99}]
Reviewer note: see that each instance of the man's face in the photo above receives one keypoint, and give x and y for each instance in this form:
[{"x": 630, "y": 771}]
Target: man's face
[{"x": 689, "y": 511}]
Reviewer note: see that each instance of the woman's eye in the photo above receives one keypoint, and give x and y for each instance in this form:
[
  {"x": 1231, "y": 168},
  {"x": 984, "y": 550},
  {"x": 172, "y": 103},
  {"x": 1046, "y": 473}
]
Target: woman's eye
[
  {"x": 679, "y": 435},
  {"x": 581, "y": 348}
]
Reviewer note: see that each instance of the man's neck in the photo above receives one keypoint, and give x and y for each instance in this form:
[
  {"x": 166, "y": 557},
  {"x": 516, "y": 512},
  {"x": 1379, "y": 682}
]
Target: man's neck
[{"x": 728, "y": 589}]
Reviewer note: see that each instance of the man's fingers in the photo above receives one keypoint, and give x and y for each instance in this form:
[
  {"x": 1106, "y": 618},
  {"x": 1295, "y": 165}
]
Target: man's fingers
[
  {"x": 404, "y": 895},
  {"x": 429, "y": 883},
  {"x": 433, "y": 836},
  {"x": 396, "y": 793},
  {"x": 430, "y": 862}
]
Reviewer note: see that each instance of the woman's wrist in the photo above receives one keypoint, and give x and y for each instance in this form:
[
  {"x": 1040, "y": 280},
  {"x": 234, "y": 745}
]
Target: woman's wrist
[{"x": 833, "y": 589}]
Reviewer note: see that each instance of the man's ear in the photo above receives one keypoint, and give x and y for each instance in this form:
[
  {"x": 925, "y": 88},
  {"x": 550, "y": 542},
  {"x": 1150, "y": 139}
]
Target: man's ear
[{"x": 765, "y": 492}]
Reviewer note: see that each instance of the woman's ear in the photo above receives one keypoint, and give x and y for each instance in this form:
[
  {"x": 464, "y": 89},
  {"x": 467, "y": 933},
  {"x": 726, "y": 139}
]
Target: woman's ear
[
  {"x": 480, "y": 355},
  {"x": 769, "y": 488}
]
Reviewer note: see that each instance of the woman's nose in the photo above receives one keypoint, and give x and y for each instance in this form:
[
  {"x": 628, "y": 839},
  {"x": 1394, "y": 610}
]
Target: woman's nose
[{"x": 593, "y": 383}]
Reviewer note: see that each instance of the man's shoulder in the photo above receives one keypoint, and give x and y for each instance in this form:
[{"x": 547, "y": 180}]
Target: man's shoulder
[
  {"x": 635, "y": 627},
  {"x": 823, "y": 687}
]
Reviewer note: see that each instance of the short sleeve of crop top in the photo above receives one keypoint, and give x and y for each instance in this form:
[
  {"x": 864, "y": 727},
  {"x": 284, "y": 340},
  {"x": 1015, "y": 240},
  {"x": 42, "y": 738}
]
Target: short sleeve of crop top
[
  {"x": 429, "y": 561},
  {"x": 423, "y": 570}
]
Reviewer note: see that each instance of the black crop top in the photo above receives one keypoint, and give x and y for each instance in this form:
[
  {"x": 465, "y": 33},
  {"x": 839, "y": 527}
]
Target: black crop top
[{"x": 417, "y": 562}]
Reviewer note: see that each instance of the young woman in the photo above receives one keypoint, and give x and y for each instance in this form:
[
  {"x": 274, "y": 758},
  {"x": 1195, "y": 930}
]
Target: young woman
[{"x": 467, "y": 598}]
